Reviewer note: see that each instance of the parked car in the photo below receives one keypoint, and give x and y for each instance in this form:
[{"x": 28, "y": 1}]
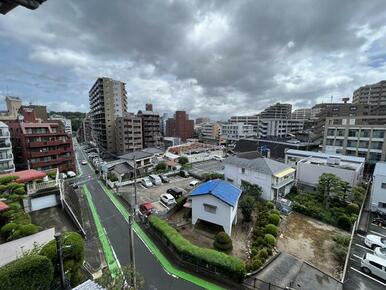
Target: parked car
[
  {"x": 371, "y": 264},
  {"x": 380, "y": 252},
  {"x": 164, "y": 178},
  {"x": 184, "y": 173},
  {"x": 63, "y": 175},
  {"x": 146, "y": 182},
  {"x": 373, "y": 241},
  {"x": 167, "y": 199},
  {"x": 71, "y": 174},
  {"x": 75, "y": 185},
  {"x": 218, "y": 158},
  {"x": 175, "y": 191},
  {"x": 379, "y": 221},
  {"x": 193, "y": 183},
  {"x": 84, "y": 162},
  {"x": 155, "y": 179},
  {"x": 146, "y": 208}
]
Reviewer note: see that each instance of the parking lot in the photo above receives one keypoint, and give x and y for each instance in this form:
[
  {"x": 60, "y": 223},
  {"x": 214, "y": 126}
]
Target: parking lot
[
  {"x": 355, "y": 279},
  {"x": 152, "y": 194},
  {"x": 200, "y": 168}
]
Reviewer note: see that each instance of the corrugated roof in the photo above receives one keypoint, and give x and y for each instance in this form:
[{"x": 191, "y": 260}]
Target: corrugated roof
[
  {"x": 26, "y": 175},
  {"x": 262, "y": 164},
  {"x": 323, "y": 155},
  {"x": 221, "y": 189},
  {"x": 380, "y": 168},
  {"x": 88, "y": 285}
]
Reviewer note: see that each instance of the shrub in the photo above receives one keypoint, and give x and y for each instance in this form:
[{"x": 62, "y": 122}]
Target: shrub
[
  {"x": 269, "y": 205},
  {"x": 274, "y": 219},
  {"x": 27, "y": 273},
  {"x": 7, "y": 179},
  {"x": 256, "y": 264},
  {"x": 229, "y": 266},
  {"x": 73, "y": 253},
  {"x": 270, "y": 240},
  {"x": 222, "y": 242},
  {"x": 341, "y": 240},
  {"x": 340, "y": 253},
  {"x": 19, "y": 191},
  {"x": 212, "y": 175},
  {"x": 263, "y": 254},
  {"x": 161, "y": 167},
  {"x": 294, "y": 190},
  {"x": 52, "y": 174},
  {"x": 183, "y": 160},
  {"x": 7, "y": 230},
  {"x": 352, "y": 208},
  {"x": 246, "y": 204},
  {"x": 275, "y": 211},
  {"x": 271, "y": 229},
  {"x": 344, "y": 222}
]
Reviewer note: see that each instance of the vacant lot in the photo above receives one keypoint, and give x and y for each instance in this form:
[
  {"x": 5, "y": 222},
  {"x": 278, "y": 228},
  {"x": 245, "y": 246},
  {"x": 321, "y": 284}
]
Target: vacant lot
[{"x": 311, "y": 241}]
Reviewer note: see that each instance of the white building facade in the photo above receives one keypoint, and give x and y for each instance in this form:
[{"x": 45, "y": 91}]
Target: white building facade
[
  {"x": 6, "y": 155},
  {"x": 378, "y": 190},
  {"x": 237, "y": 131},
  {"x": 279, "y": 127},
  {"x": 275, "y": 178}
]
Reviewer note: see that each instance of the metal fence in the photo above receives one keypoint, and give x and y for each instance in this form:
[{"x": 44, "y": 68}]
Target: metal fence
[{"x": 256, "y": 283}]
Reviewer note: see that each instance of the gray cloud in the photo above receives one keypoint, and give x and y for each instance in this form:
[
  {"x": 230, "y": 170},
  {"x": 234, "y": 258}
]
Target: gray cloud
[{"x": 216, "y": 58}]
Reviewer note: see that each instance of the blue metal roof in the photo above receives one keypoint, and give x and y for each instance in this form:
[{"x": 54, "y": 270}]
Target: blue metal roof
[{"x": 221, "y": 189}]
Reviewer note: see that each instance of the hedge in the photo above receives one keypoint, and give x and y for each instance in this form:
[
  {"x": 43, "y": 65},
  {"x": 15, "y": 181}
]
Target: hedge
[
  {"x": 231, "y": 267},
  {"x": 270, "y": 240},
  {"x": 274, "y": 219},
  {"x": 271, "y": 229},
  {"x": 27, "y": 273}
]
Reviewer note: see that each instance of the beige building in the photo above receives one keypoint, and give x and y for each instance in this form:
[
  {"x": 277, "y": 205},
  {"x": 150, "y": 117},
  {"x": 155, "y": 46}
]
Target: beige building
[
  {"x": 13, "y": 107},
  {"x": 374, "y": 94},
  {"x": 128, "y": 132},
  {"x": 211, "y": 130},
  {"x": 108, "y": 100},
  {"x": 363, "y": 136}
]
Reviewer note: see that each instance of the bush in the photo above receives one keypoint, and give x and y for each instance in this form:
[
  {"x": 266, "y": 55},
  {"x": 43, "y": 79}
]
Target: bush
[
  {"x": 256, "y": 264},
  {"x": 73, "y": 253},
  {"x": 344, "y": 222},
  {"x": 222, "y": 242},
  {"x": 269, "y": 205},
  {"x": 270, "y": 240},
  {"x": 352, "y": 208},
  {"x": 275, "y": 211},
  {"x": 27, "y": 273},
  {"x": 7, "y": 179},
  {"x": 263, "y": 254},
  {"x": 246, "y": 204},
  {"x": 271, "y": 229},
  {"x": 212, "y": 175},
  {"x": 341, "y": 240},
  {"x": 230, "y": 267},
  {"x": 7, "y": 230},
  {"x": 294, "y": 190},
  {"x": 160, "y": 167},
  {"x": 183, "y": 160},
  {"x": 274, "y": 219}
]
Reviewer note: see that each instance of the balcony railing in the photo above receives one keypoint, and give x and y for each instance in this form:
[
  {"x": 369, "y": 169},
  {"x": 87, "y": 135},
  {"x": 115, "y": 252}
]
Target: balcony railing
[{"x": 35, "y": 186}]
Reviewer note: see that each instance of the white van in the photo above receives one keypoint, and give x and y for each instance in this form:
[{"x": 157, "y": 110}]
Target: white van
[
  {"x": 372, "y": 264},
  {"x": 193, "y": 183},
  {"x": 155, "y": 179}
]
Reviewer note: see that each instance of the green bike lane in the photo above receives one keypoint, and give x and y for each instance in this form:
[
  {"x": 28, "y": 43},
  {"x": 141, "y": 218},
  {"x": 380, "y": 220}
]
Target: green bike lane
[{"x": 157, "y": 271}]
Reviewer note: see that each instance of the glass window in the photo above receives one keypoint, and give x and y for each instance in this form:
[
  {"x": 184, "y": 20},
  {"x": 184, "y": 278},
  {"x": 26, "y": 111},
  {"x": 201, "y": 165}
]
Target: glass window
[
  {"x": 376, "y": 145},
  {"x": 243, "y": 170},
  {"x": 364, "y": 144},
  {"x": 210, "y": 208},
  {"x": 353, "y": 132},
  {"x": 331, "y": 132},
  {"x": 383, "y": 185},
  {"x": 340, "y": 132},
  {"x": 330, "y": 142},
  {"x": 378, "y": 133},
  {"x": 375, "y": 156},
  {"x": 338, "y": 142},
  {"x": 352, "y": 143},
  {"x": 365, "y": 133}
]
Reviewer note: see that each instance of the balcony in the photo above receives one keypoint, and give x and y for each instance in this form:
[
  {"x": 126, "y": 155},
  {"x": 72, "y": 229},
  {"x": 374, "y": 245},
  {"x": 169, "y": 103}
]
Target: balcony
[
  {"x": 50, "y": 152},
  {"x": 38, "y": 144},
  {"x": 5, "y": 145},
  {"x": 6, "y": 157},
  {"x": 4, "y": 134},
  {"x": 35, "y": 186}
]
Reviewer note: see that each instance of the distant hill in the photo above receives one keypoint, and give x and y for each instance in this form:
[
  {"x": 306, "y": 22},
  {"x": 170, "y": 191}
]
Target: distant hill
[{"x": 75, "y": 117}]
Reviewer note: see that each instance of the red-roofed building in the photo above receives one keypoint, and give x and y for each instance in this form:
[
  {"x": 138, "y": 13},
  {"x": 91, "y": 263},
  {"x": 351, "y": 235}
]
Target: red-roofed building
[
  {"x": 3, "y": 206},
  {"x": 26, "y": 176}
]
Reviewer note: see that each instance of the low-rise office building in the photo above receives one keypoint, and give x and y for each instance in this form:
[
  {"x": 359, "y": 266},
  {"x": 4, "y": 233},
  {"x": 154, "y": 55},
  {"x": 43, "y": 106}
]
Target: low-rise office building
[
  {"x": 194, "y": 151},
  {"x": 236, "y": 131},
  {"x": 128, "y": 133},
  {"x": 279, "y": 128},
  {"x": 311, "y": 165}
]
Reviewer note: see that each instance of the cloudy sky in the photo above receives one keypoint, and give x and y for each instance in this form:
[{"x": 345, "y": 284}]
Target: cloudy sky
[{"x": 212, "y": 58}]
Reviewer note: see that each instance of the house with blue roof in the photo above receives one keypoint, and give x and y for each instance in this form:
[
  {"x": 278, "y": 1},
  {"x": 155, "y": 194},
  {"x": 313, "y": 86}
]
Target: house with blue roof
[{"x": 216, "y": 201}]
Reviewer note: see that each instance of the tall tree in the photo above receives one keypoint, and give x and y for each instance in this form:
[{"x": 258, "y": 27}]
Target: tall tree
[{"x": 329, "y": 185}]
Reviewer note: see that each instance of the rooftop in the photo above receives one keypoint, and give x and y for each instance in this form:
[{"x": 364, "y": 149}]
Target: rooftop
[
  {"x": 3, "y": 206},
  {"x": 321, "y": 155},
  {"x": 220, "y": 189},
  {"x": 380, "y": 168},
  {"x": 191, "y": 147},
  {"x": 26, "y": 175},
  {"x": 136, "y": 155},
  {"x": 331, "y": 163}
]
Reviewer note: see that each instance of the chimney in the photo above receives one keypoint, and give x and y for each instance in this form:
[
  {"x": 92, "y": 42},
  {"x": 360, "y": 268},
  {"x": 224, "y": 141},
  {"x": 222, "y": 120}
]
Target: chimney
[{"x": 149, "y": 107}]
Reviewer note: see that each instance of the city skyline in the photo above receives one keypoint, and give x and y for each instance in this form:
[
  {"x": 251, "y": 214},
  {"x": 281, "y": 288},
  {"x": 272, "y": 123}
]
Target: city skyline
[{"x": 206, "y": 58}]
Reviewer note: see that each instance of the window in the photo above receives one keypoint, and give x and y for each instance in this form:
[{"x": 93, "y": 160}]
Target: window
[
  {"x": 331, "y": 132},
  {"x": 230, "y": 180},
  {"x": 365, "y": 133},
  {"x": 338, "y": 142},
  {"x": 376, "y": 265},
  {"x": 243, "y": 170},
  {"x": 353, "y": 132},
  {"x": 364, "y": 144},
  {"x": 210, "y": 208},
  {"x": 383, "y": 185},
  {"x": 378, "y": 134},
  {"x": 340, "y": 132},
  {"x": 376, "y": 145},
  {"x": 352, "y": 143}
]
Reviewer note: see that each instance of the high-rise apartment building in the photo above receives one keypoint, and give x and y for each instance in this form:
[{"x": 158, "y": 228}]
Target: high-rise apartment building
[
  {"x": 363, "y": 136},
  {"x": 180, "y": 126},
  {"x": 162, "y": 123},
  {"x": 41, "y": 146},
  {"x": 84, "y": 130},
  {"x": 301, "y": 114},
  {"x": 6, "y": 156},
  {"x": 151, "y": 134},
  {"x": 277, "y": 111},
  {"x": 64, "y": 121},
  {"x": 128, "y": 133},
  {"x": 374, "y": 94},
  {"x": 108, "y": 100}
]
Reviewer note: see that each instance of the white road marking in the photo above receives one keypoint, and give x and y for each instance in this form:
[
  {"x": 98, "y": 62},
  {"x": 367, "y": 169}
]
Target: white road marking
[
  {"x": 360, "y": 272},
  {"x": 378, "y": 234},
  {"x": 366, "y": 248},
  {"x": 356, "y": 256},
  {"x": 363, "y": 237}
]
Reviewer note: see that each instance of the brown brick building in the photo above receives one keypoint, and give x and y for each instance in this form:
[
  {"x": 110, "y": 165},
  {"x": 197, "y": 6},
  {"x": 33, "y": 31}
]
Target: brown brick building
[
  {"x": 180, "y": 126},
  {"x": 151, "y": 131}
]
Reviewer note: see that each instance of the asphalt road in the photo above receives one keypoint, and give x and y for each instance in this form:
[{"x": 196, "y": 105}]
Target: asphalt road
[{"x": 117, "y": 230}]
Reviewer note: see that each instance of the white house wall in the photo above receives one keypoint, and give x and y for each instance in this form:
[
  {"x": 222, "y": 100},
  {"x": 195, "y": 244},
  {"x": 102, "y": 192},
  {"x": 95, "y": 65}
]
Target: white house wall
[
  {"x": 265, "y": 181},
  {"x": 224, "y": 214},
  {"x": 378, "y": 194}
]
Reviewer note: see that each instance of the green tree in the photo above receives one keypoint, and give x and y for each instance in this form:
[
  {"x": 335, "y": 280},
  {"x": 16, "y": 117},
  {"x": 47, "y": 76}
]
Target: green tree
[
  {"x": 358, "y": 193},
  {"x": 161, "y": 167},
  {"x": 123, "y": 278},
  {"x": 247, "y": 204},
  {"x": 329, "y": 185},
  {"x": 294, "y": 190},
  {"x": 183, "y": 160},
  {"x": 222, "y": 242},
  {"x": 251, "y": 189}
]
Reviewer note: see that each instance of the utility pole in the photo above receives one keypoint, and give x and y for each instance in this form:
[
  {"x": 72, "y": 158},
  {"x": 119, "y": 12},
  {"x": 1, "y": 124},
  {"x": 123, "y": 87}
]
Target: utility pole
[
  {"x": 60, "y": 259},
  {"x": 131, "y": 222}
]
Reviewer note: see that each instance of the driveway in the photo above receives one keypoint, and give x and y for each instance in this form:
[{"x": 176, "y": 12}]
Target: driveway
[{"x": 209, "y": 166}]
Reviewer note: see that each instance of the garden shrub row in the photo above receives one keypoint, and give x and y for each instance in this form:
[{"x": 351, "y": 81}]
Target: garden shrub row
[
  {"x": 229, "y": 266},
  {"x": 264, "y": 234},
  {"x": 27, "y": 273}
]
